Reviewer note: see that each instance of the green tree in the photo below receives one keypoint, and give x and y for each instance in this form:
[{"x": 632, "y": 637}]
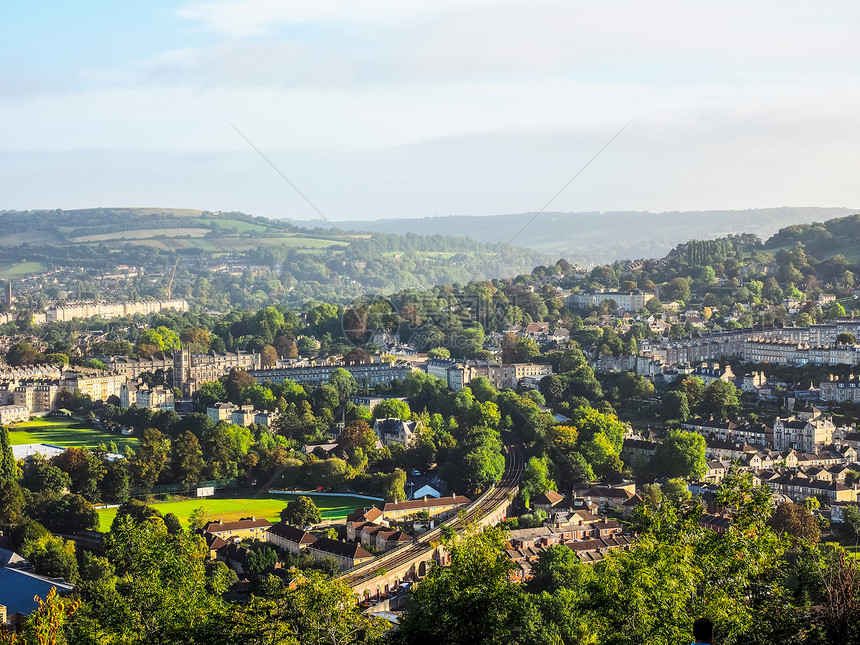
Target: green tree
[
  {"x": 161, "y": 584},
  {"x": 57, "y": 359},
  {"x": 720, "y": 400},
  {"x": 601, "y": 455},
  {"x": 344, "y": 383},
  {"x": 392, "y": 409},
  {"x": 208, "y": 395},
  {"x": 197, "y": 518},
  {"x": 186, "y": 458},
  {"x": 476, "y": 462},
  {"x": 677, "y": 289},
  {"x": 851, "y": 524},
  {"x": 53, "y": 557},
  {"x": 796, "y": 520},
  {"x": 114, "y": 486},
  {"x": 301, "y": 512},
  {"x": 589, "y": 422},
  {"x": 261, "y": 558},
  {"x": 526, "y": 350},
  {"x": 41, "y": 475},
  {"x": 393, "y": 485},
  {"x": 84, "y": 469},
  {"x": 675, "y": 406},
  {"x": 22, "y": 353},
  {"x": 536, "y": 479},
  {"x": 681, "y": 454},
  {"x": 75, "y": 513},
  {"x": 11, "y": 497},
  {"x": 676, "y": 491},
  {"x": 150, "y": 459},
  {"x": 557, "y": 569},
  {"x": 439, "y": 352},
  {"x": 472, "y": 600},
  {"x": 834, "y": 310},
  {"x": 266, "y": 323},
  {"x": 316, "y": 610},
  {"x": 172, "y": 523}
]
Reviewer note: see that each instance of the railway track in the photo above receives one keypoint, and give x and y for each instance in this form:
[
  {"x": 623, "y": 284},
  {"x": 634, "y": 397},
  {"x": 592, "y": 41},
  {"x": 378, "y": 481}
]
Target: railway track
[{"x": 486, "y": 503}]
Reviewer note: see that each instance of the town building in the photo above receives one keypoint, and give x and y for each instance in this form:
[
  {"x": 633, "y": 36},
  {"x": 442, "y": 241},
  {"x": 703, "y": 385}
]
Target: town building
[
  {"x": 221, "y": 412},
  {"x": 142, "y": 396},
  {"x": 366, "y": 374},
  {"x": 186, "y": 371},
  {"x": 289, "y": 538},
  {"x": 64, "y": 312},
  {"x": 10, "y": 414},
  {"x": 805, "y": 431},
  {"x": 514, "y": 373},
  {"x": 251, "y": 527},
  {"x": 347, "y": 554},
  {"x": 627, "y": 300},
  {"x": 441, "y": 507},
  {"x": 391, "y": 431},
  {"x": 841, "y": 390},
  {"x": 789, "y": 345},
  {"x": 19, "y": 587}
]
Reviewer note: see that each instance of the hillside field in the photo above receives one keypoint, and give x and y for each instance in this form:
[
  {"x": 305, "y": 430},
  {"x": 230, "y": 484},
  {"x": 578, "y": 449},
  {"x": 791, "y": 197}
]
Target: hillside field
[{"x": 234, "y": 507}]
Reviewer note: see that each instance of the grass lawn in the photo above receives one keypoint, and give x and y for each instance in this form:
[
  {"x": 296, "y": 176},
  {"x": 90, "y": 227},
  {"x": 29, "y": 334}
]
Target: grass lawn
[
  {"x": 21, "y": 269},
  {"x": 230, "y": 507},
  {"x": 853, "y": 551},
  {"x": 64, "y": 432}
]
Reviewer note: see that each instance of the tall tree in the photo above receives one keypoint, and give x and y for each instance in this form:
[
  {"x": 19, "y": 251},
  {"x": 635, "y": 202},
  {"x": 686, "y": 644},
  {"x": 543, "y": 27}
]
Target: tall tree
[
  {"x": 536, "y": 479},
  {"x": 150, "y": 459},
  {"x": 473, "y": 600},
  {"x": 681, "y": 454},
  {"x": 301, "y": 512},
  {"x": 186, "y": 458},
  {"x": 11, "y": 497}
]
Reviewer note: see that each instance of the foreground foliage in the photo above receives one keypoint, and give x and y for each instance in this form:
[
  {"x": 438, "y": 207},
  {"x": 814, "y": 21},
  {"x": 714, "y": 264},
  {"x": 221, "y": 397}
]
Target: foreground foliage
[{"x": 756, "y": 585}]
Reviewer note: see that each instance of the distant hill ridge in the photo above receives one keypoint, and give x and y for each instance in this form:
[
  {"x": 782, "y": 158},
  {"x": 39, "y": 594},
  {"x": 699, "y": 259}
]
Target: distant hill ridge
[{"x": 600, "y": 236}]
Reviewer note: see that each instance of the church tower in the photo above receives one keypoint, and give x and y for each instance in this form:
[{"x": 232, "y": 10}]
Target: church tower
[{"x": 182, "y": 369}]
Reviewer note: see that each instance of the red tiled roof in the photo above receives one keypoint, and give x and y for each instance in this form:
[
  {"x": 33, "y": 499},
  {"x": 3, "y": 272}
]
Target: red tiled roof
[
  {"x": 364, "y": 515},
  {"x": 550, "y": 497}
]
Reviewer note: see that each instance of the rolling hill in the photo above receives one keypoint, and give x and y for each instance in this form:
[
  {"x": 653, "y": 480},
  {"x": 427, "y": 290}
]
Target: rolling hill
[{"x": 597, "y": 237}]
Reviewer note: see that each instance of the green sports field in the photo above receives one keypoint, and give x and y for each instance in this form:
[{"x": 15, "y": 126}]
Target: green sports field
[
  {"x": 231, "y": 508},
  {"x": 64, "y": 432},
  {"x": 21, "y": 269}
]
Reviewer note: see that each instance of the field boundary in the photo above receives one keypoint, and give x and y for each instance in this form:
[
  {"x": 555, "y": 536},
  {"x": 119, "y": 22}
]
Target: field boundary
[{"x": 313, "y": 492}]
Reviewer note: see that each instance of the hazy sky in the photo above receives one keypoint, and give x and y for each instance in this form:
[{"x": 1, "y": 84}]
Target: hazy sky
[{"x": 384, "y": 108}]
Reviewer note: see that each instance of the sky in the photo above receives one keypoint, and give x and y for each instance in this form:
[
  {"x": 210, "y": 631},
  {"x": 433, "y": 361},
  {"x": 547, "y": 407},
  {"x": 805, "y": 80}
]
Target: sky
[{"x": 396, "y": 108}]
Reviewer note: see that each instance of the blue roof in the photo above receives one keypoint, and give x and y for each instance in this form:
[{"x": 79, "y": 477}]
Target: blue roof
[{"x": 18, "y": 589}]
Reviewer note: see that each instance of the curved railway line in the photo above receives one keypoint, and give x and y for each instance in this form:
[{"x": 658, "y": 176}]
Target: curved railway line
[{"x": 485, "y": 504}]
